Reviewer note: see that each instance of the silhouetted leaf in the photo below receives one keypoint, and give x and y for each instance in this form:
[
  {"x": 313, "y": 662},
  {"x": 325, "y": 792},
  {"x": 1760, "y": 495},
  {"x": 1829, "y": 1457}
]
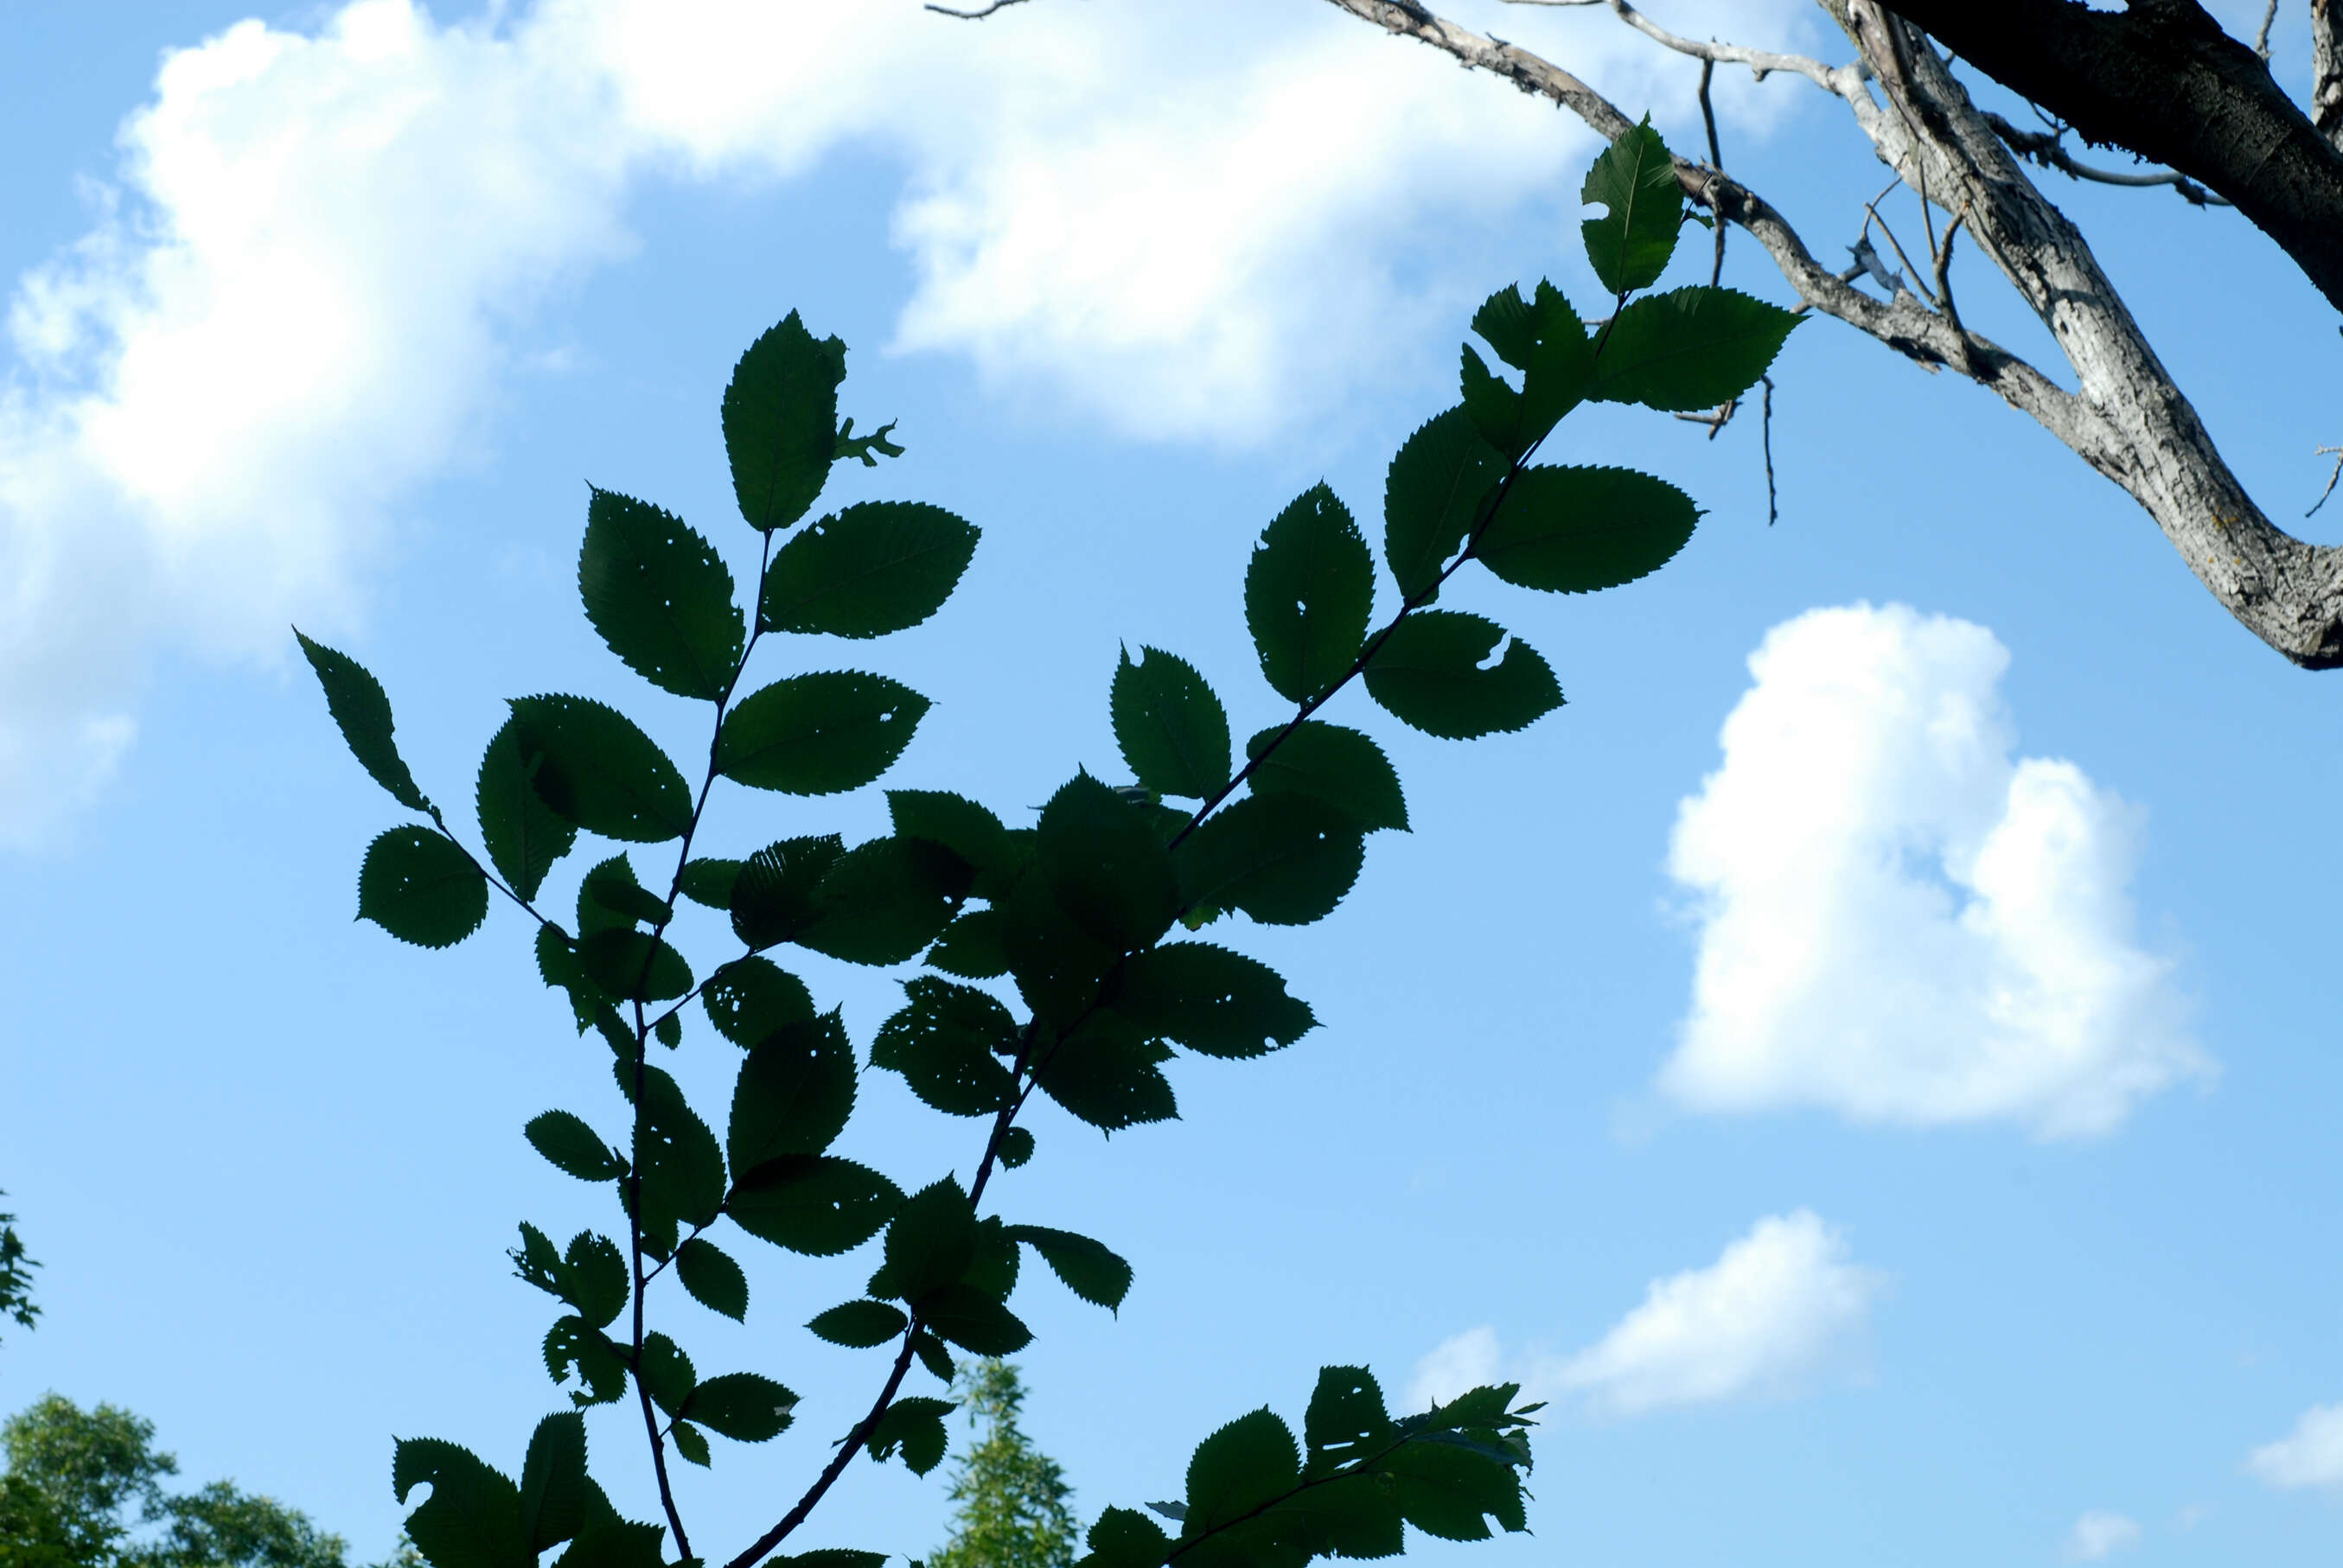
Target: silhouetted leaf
[
  {"x": 1339, "y": 766},
  {"x": 1211, "y": 1001},
  {"x": 714, "y": 1280},
  {"x": 780, "y": 423},
  {"x": 418, "y": 886},
  {"x": 472, "y": 1518},
  {"x": 1346, "y": 1418},
  {"x": 1057, "y": 964},
  {"x": 1126, "y": 1538},
  {"x": 631, "y": 966},
  {"x": 884, "y": 901},
  {"x": 691, "y": 1442},
  {"x": 773, "y": 895},
  {"x": 975, "y": 946},
  {"x": 523, "y": 834},
  {"x": 1432, "y": 674},
  {"x": 1690, "y": 349},
  {"x": 794, "y": 1094},
  {"x": 1107, "y": 1074},
  {"x": 1090, "y": 1268},
  {"x": 1238, "y": 1469},
  {"x": 819, "y": 734},
  {"x": 682, "y": 1167},
  {"x": 1309, "y": 590},
  {"x": 573, "y": 1147},
  {"x": 1107, "y": 868},
  {"x": 661, "y": 597},
  {"x": 1546, "y": 341},
  {"x": 814, "y": 1204},
  {"x": 749, "y": 998},
  {"x": 1172, "y": 730},
  {"x": 742, "y": 1406},
  {"x": 362, "y": 712},
  {"x": 1016, "y": 1147},
  {"x": 573, "y": 1344},
  {"x": 708, "y": 881},
  {"x": 1635, "y": 179},
  {"x": 601, "y": 772},
  {"x": 556, "y": 1496},
  {"x": 666, "y": 1373},
  {"x": 930, "y": 1242},
  {"x": 914, "y": 1427},
  {"x": 859, "y": 1325},
  {"x": 973, "y": 1320},
  {"x": 967, "y": 829},
  {"x": 1283, "y": 858},
  {"x": 874, "y": 568},
  {"x": 1577, "y": 530},
  {"x": 945, "y": 1042},
  {"x": 1432, "y": 496}
]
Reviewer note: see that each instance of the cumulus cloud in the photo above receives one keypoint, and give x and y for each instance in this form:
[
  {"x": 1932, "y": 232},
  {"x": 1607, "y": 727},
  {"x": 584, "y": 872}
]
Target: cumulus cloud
[
  {"x": 2099, "y": 1535},
  {"x": 1900, "y": 921},
  {"x": 1195, "y": 223},
  {"x": 1780, "y": 1308},
  {"x": 2309, "y": 1456}
]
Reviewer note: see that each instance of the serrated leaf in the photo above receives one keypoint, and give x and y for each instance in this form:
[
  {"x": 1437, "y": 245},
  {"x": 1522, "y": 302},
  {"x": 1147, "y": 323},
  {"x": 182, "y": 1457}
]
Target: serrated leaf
[
  {"x": 573, "y": 1344},
  {"x": 556, "y": 1496},
  {"x": 1507, "y": 324},
  {"x": 973, "y": 1320},
  {"x": 615, "y": 1542},
  {"x": 1635, "y": 181},
  {"x": 1690, "y": 349},
  {"x": 967, "y": 829},
  {"x": 594, "y": 1278},
  {"x": 628, "y": 966},
  {"x": 1346, "y": 1419},
  {"x": 1339, "y": 766},
  {"x": 1016, "y": 1147},
  {"x": 975, "y": 946},
  {"x": 1546, "y": 341},
  {"x": 773, "y": 895},
  {"x": 666, "y": 1373},
  {"x": 610, "y": 899},
  {"x": 794, "y": 1094},
  {"x": 945, "y": 1041},
  {"x": 1579, "y": 530},
  {"x": 1108, "y": 1074},
  {"x": 421, "y": 888},
  {"x": 661, "y": 597},
  {"x": 780, "y": 423},
  {"x": 574, "y": 1148},
  {"x": 682, "y": 1167},
  {"x": 872, "y": 569},
  {"x": 1211, "y": 1001},
  {"x": 1126, "y": 1538},
  {"x": 1490, "y": 403},
  {"x": 714, "y": 1280},
  {"x": 819, "y": 734},
  {"x": 930, "y": 1242},
  {"x": 884, "y": 901},
  {"x": 1238, "y": 1469},
  {"x": 742, "y": 1406},
  {"x": 1432, "y": 495},
  {"x": 933, "y": 1356},
  {"x": 815, "y": 1204},
  {"x": 1283, "y": 858},
  {"x": 601, "y": 772},
  {"x": 1172, "y": 730},
  {"x": 472, "y": 1518},
  {"x": 1057, "y": 964},
  {"x": 1089, "y": 1269},
  {"x": 750, "y": 999},
  {"x": 859, "y": 1326},
  {"x": 914, "y": 1427},
  {"x": 1308, "y": 590},
  {"x": 692, "y": 1443},
  {"x": 1107, "y": 868},
  {"x": 361, "y": 711},
  {"x": 524, "y": 835},
  {"x": 708, "y": 881},
  {"x": 1451, "y": 1492},
  {"x": 1429, "y": 673}
]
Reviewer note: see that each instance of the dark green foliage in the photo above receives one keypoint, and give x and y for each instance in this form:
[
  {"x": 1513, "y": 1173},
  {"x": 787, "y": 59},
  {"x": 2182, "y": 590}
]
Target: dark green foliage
[
  {"x": 975, "y": 946},
  {"x": 472, "y": 1518},
  {"x": 1577, "y": 530},
  {"x": 573, "y": 1147},
  {"x": 573, "y": 1344},
  {"x": 1634, "y": 178},
  {"x": 780, "y": 423},
  {"x": 972, "y": 1319},
  {"x": 930, "y": 1242},
  {"x": 969, "y": 830},
  {"x": 748, "y": 999},
  {"x": 628, "y": 966},
  {"x": 1237, "y": 1470},
  {"x": 875, "y": 568},
  {"x": 1016, "y": 1147},
  {"x": 591, "y": 1276},
  {"x": 421, "y": 888},
  {"x": 661, "y": 597},
  {"x": 682, "y": 1170},
  {"x": 610, "y": 899},
  {"x": 524, "y": 835},
  {"x": 1308, "y": 592},
  {"x": 15, "y": 1275},
  {"x": 946, "y": 1042},
  {"x": 886, "y": 900},
  {"x": 819, "y": 734},
  {"x": 1433, "y": 674},
  {"x": 714, "y": 1280},
  {"x": 794, "y": 1093},
  {"x": 1542, "y": 337},
  {"x": 741, "y": 1406},
  {"x": 601, "y": 772},
  {"x": 362, "y": 712},
  {"x": 691, "y": 1443},
  {"x": 1057, "y": 963},
  {"x": 1689, "y": 349},
  {"x": 1013, "y": 1506},
  {"x": 1339, "y": 766},
  {"x": 1287, "y": 858},
  {"x": 1088, "y": 1268},
  {"x": 710, "y": 882},
  {"x": 1173, "y": 732},
  {"x": 1433, "y": 497},
  {"x": 914, "y": 1428},
  {"x": 815, "y": 1204},
  {"x": 772, "y": 898},
  {"x": 667, "y": 1372},
  {"x": 859, "y": 1324},
  {"x": 1108, "y": 1074},
  {"x": 1105, "y": 866},
  {"x": 1211, "y": 1001}
]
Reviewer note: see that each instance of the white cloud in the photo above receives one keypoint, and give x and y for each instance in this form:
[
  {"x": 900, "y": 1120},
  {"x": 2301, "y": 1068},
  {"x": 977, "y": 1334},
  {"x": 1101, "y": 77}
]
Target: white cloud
[
  {"x": 2309, "y": 1456},
  {"x": 1898, "y": 921},
  {"x": 1200, "y": 221},
  {"x": 2098, "y": 1535},
  {"x": 1781, "y": 1307}
]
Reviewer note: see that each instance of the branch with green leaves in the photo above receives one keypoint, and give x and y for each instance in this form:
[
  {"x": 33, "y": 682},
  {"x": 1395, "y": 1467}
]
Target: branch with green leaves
[{"x": 1056, "y": 959}]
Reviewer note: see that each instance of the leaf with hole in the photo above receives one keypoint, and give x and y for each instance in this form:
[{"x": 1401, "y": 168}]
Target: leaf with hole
[
  {"x": 1308, "y": 590},
  {"x": 884, "y": 901},
  {"x": 741, "y": 1406},
  {"x": 946, "y": 1042},
  {"x": 573, "y": 1344},
  {"x": 1433, "y": 673},
  {"x": 794, "y": 1094},
  {"x": 1106, "y": 867},
  {"x": 1211, "y": 1001},
  {"x": 815, "y": 1204},
  {"x": 1635, "y": 180},
  {"x": 1172, "y": 730},
  {"x": 780, "y": 423},
  {"x": 819, "y": 734},
  {"x": 872, "y": 569},
  {"x": 1578, "y": 531},
  {"x": 682, "y": 1167},
  {"x": 914, "y": 1428},
  {"x": 472, "y": 1518},
  {"x": 1433, "y": 495},
  {"x": 666, "y": 1373},
  {"x": 601, "y": 772},
  {"x": 661, "y": 597},
  {"x": 361, "y": 711},
  {"x": 773, "y": 895},
  {"x": 1287, "y": 858},
  {"x": 421, "y": 888},
  {"x": 1336, "y": 765},
  {"x": 1016, "y": 1147},
  {"x": 750, "y": 999}
]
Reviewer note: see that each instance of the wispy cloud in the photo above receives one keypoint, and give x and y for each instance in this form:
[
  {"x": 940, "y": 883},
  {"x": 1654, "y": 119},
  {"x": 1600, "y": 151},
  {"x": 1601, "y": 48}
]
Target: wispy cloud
[
  {"x": 2099, "y": 1535},
  {"x": 2309, "y": 1456}
]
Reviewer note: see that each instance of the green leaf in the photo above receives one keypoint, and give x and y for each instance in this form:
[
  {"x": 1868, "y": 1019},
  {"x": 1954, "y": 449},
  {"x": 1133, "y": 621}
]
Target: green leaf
[
  {"x": 742, "y": 1406},
  {"x": 1635, "y": 181},
  {"x": 875, "y": 568},
  {"x": 362, "y": 712},
  {"x": 1308, "y": 590},
  {"x": 975, "y": 946},
  {"x": 1016, "y": 1147},
  {"x": 628, "y": 966},
  {"x": 1546, "y": 341},
  {"x": 1106, "y": 1074},
  {"x": 945, "y": 1042},
  {"x": 930, "y": 1242},
  {"x": 1448, "y": 1491},
  {"x": 572, "y": 1343},
  {"x": 1126, "y": 1538},
  {"x": 815, "y": 1204},
  {"x": 421, "y": 888},
  {"x": 1283, "y": 858},
  {"x": 692, "y": 1443},
  {"x": 780, "y": 423},
  {"x": 714, "y": 1280},
  {"x": 1493, "y": 406},
  {"x": 574, "y": 1148},
  {"x": 773, "y": 896},
  {"x": 523, "y": 834},
  {"x": 914, "y": 1427},
  {"x": 884, "y": 901},
  {"x": 867, "y": 448},
  {"x": 682, "y": 1167},
  {"x": 1690, "y": 349},
  {"x": 556, "y": 1496},
  {"x": 1088, "y": 1268},
  {"x": 1238, "y": 1469},
  {"x": 859, "y": 1326},
  {"x": 1346, "y": 1420},
  {"x": 933, "y": 1356},
  {"x": 666, "y": 1373},
  {"x": 592, "y": 1277},
  {"x": 610, "y": 899},
  {"x": 1433, "y": 673},
  {"x": 615, "y": 1542},
  {"x": 661, "y": 597},
  {"x": 1057, "y": 964},
  {"x": 1578, "y": 531},
  {"x": 1431, "y": 497},
  {"x": 601, "y": 772},
  {"x": 1105, "y": 866},
  {"x": 667, "y": 1029},
  {"x": 1339, "y": 766},
  {"x": 1172, "y": 730},
  {"x": 995, "y": 1266},
  {"x": 974, "y": 1319},
  {"x": 967, "y": 829},
  {"x": 472, "y": 1518},
  {"x": 750, "y": 999},
  {"x": 819, "y": 734},
  {"x": 710, "y": 882},
  {"x": 794, "y": 1094},
  {"x": 1211, "y": 1001}
]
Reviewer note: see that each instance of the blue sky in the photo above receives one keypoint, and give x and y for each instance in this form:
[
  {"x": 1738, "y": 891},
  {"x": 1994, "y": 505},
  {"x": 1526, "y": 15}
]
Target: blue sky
[{"x": 1892, "y": 1124}]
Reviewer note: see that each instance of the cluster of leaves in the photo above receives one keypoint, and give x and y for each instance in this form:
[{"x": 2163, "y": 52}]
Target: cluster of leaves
[
  {"x": 1084, "y": 916},
  {"x": 15, "y": 1275}
]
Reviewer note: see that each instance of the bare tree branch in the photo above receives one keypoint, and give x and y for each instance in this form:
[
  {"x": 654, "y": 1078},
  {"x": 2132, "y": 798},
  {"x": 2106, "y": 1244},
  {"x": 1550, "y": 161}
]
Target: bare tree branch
[
  {"x": 2043, "y": 148},
  {"x": 2326, "y": 70},
  {"x": 972, "y": 16},
  {"x": 2261, "y": 34}
]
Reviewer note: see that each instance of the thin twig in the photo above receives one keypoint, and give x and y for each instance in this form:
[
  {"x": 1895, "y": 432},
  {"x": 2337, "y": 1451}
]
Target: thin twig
[
  {"x": 2043, "y": 147},
  {"x": 972, "y": 16},
  {"x": 1716, "y": 162},
  {"x": 2337, "y": 453},
  {"x": 2261, "y": 42},
  {"x": 1766, "y": 426}
]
